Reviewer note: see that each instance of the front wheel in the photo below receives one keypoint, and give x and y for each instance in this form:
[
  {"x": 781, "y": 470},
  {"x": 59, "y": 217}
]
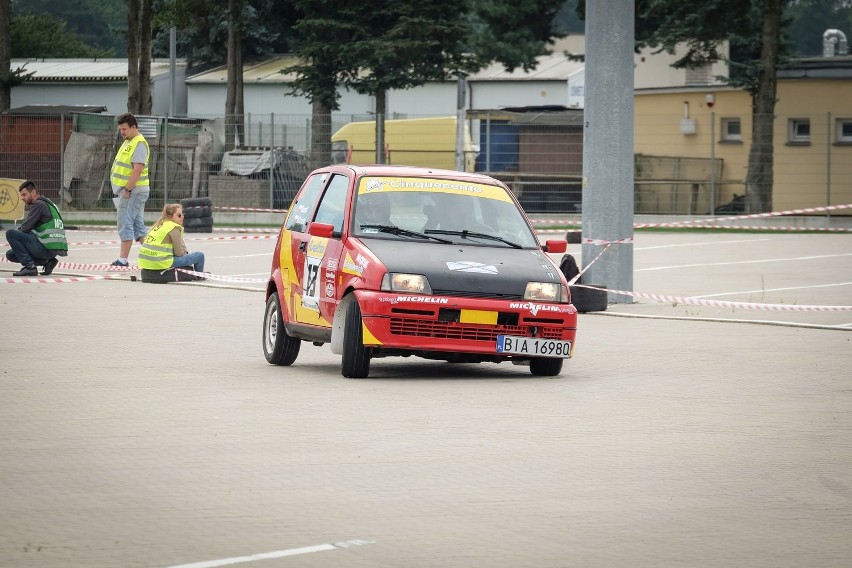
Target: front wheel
[
  {"x": 356, "y": 357},
  {"x": 278, "y": 347},
  {"x": 545, "y": 366}
]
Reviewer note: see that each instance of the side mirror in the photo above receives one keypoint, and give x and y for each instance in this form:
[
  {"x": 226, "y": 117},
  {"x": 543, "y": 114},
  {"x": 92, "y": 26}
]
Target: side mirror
[
  {"x": 323, "y": 230},
  {"x": 555, "y": 246}
]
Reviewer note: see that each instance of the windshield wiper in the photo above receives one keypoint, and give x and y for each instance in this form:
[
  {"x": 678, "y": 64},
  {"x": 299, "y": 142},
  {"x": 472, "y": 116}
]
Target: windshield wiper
[
  {"x": 465, "y": 234},
  {"x": 402, "y": 232}
]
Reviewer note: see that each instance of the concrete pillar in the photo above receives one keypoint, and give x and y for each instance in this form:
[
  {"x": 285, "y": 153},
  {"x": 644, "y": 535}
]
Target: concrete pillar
[{"x": 608, "y": 144}]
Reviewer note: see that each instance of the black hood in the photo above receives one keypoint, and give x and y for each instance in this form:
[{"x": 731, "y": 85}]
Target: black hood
[{"x": 499, "y": 271}]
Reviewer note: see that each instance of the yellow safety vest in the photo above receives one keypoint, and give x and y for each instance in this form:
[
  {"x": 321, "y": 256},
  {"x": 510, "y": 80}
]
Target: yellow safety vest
[
  {"x": 122, "y": 167},
  {"x": 155, "y": 254}
]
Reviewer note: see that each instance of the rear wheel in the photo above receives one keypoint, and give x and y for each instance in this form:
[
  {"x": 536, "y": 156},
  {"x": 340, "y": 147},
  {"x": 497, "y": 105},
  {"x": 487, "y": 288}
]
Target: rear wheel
[
  {"x": 278, "y": 347},
  {"x": 356, "y": 357},
  {"x": 545, "y": 366}
]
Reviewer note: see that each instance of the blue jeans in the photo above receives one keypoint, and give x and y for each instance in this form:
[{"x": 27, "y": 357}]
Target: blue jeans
[
  {"x": 26, "y": 249},
  {"x": 193, "y": 258},
  {"x": 131, "y": 220}
]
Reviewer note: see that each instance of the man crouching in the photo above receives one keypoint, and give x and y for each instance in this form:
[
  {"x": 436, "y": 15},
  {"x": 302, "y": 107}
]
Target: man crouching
[{"x": 41, "y": 237}]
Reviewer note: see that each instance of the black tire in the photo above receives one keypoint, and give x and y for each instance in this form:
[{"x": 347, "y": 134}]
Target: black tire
[
  {"x": 278, "y": 347},
  {"x": 574, "y": 237},
  {"x": 545, "y": 366},
  {"x": 193, "y": 222},
  {"x": 197, "y": 211},
  {"x": 356, "y": 357},
  {"x": 592, "y": 299},
  {"x": 167, "y": 276},
  {"x": 196, "y": 201},
  {"x": 208, "y": 229}
]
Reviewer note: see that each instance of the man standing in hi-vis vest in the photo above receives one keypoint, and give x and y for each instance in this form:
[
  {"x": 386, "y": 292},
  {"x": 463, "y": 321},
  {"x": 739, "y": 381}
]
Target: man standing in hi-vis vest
[{"x": 129, "y": 178}]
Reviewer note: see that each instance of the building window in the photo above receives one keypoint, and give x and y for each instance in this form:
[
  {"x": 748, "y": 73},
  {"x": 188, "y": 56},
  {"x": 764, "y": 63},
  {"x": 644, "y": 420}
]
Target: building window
[
  {"x": 731, "y": 130},
  {"x": 799, "y": 131},
  {"x": 699, "y": 75},
  {"x": 843, "y": 128}
]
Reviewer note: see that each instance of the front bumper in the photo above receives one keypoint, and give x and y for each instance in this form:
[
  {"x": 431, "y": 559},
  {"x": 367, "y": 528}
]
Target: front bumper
[{"x": 459, "y": 325}]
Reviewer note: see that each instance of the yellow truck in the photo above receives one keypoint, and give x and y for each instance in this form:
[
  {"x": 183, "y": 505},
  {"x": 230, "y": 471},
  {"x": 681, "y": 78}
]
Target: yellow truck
[{"x": 425, "y": 142}]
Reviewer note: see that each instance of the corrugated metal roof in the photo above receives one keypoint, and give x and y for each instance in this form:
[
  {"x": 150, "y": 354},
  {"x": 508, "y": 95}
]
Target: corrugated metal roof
[
  {"x": 555, "y": 67},
  {"x": 267, "y": 71},
  {"x": 85, "y": 69},
  {"x": 58, "y": 109}
]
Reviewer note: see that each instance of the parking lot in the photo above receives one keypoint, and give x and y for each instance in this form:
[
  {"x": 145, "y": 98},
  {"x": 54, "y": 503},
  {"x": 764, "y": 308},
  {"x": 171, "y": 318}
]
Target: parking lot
[{"x": 141, "y": 425}]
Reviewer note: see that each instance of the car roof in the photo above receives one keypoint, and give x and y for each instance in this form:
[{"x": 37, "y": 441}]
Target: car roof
[{"x": 411, "y": 171}]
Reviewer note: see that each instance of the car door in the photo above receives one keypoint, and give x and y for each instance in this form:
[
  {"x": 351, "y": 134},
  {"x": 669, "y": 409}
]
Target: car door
[
  {"x": 294, "y": 243},
  {"x": 323, "y": 257},
  {"x": 313, "y": 260}
]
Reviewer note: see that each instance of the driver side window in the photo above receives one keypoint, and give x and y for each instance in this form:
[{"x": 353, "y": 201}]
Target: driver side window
[
  {"x": 300, "y": 211},
  {"x": 333, "y": 203}
]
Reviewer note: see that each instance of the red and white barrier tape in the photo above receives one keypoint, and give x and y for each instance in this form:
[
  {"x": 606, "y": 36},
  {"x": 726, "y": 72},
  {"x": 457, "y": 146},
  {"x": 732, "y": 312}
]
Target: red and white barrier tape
[
  {"x": 601, "y": 242},
  {"x": 674, "y": 300},
  {"x": 235, "y": 279},
  {"x": 52, "y": 279},
  {"x": 750, "y": 216},
  {"x": 712, "y": 219},
  {"x": 255, "y": 209},
  {"x": 727, "y": 227},
  {"x": 81, "y": 266},
  {"x": 594, "y": 260}
]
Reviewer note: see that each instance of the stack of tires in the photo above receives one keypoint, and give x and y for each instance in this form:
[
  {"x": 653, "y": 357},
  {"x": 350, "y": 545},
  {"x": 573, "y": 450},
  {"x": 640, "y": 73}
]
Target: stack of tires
[{"x": 197, "y": 215}]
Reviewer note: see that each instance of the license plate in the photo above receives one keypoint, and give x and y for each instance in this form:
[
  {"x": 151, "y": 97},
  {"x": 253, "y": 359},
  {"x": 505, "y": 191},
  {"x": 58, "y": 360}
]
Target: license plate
[{"x": 533, "y": 346}]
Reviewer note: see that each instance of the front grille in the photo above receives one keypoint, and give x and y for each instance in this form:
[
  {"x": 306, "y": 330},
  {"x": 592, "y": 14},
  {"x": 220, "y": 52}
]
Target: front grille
[
  {"x": 481, "y": 295},
  {"x": 466, "y": 332}
]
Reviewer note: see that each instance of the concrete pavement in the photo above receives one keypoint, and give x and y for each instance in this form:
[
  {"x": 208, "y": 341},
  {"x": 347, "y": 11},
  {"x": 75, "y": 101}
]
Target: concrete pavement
[{"x": 141, "y": 426}]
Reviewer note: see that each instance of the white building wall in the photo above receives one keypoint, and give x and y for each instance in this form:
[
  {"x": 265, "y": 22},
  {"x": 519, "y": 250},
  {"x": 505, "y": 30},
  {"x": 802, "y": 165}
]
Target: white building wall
[
  {"x": 500, "y": 94},
  {"x": 111, "y": 95}
]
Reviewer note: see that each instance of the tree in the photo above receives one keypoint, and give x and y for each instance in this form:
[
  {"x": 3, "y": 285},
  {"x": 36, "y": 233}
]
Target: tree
[
  {"x": 139, "y": 28},
  {"x": 39, "y": 36},
  {"x": 753, "y": 29},
  {"x": 808, "y": 19},
  {"x": 401, "y": 44},
  {"x": 96, "y": 23},
  {"x": 6, "y": 76},
  {"x": 234, "y": 93}
]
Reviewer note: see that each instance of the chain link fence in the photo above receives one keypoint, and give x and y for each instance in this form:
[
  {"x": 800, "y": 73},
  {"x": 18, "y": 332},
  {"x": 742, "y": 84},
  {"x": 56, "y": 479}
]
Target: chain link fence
[{"x": 678, "y": 169}]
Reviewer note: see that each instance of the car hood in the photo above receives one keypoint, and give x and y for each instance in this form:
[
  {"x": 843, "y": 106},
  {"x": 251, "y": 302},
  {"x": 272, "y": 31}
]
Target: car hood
[{"x": 465, "y": 269}]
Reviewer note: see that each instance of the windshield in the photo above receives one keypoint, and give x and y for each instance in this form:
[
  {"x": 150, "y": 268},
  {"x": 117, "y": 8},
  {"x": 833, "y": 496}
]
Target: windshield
[{"x": 453, "y": 211}]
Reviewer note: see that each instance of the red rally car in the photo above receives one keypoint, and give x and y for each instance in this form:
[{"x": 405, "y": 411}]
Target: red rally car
[{"x": 385, "y": 261}]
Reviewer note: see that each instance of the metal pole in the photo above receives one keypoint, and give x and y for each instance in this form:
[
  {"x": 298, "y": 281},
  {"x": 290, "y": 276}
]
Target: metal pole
[
  {"x": 608, "y": 200},
  {"x": 488, "y": 142},
  {"x": 272, "y": 160},
  {"x": 460, "y": 117},
  {"x": 62, "y": 158},
  {"x": 172, "y": 69},
  {"x": 828, "y": 166},
  {"x": 712, "y": 163},
  {"x": 165, "y": 161}
]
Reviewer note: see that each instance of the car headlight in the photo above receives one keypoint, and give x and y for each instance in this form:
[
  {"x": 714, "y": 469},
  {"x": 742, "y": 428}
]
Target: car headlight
[
  {"x": 546, "y": 292},
  {"x": 408, "y": 283}
]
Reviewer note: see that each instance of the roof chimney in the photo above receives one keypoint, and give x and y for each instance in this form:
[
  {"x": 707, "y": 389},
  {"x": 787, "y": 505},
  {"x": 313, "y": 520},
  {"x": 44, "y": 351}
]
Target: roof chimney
[{"x": 830, "y": 38}]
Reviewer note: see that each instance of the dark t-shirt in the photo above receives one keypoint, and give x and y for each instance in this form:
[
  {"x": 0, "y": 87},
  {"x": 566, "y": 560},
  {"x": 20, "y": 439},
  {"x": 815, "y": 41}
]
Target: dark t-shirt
[{"x": 38, "y": 212}]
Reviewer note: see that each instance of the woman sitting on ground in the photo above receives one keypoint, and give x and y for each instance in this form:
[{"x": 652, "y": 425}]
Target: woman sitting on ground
[{"x": 164, "y": 247}]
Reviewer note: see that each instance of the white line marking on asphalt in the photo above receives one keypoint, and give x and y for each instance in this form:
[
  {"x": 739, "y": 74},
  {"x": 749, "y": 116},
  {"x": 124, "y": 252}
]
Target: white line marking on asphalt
[
  {"x": 702, "y": 244},
  {"x": 838, "y": 327},
  {"x": 773, "y": 290},
  {"x": 274, "y": 554},
  {"x": 246, "y": 255},
  {"x": 815, "y": 257}
]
